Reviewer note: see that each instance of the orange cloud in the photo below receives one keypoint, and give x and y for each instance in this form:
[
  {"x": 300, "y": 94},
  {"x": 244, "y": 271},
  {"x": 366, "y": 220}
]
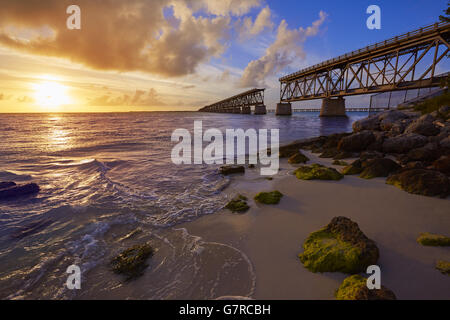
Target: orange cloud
[
  {"x": 140, "y": 98},
  {"x": 131, "y": 35}
]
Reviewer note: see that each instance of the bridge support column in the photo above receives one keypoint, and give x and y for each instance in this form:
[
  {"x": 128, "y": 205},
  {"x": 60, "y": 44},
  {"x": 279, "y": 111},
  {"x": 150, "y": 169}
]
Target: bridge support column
[
  {"x": 246, "y": 110},
  {"x": 284, "y": 109},
  {"x": 260, "y": 109},
  {"x": 333, "y": 108},
  {"x": 236, "y": 110}
]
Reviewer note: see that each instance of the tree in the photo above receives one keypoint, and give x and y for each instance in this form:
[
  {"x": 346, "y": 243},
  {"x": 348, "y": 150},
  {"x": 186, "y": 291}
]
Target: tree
[{"x": 446, "y": 18}]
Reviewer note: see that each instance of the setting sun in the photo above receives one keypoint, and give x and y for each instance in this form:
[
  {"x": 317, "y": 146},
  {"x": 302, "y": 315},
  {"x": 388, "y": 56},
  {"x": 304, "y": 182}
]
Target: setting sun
[{"x": 51, "y": 94}]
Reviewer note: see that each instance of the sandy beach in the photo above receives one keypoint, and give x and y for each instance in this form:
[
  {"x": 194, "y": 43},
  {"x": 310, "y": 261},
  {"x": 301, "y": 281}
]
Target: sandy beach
[{"x": 272, "y": 236}]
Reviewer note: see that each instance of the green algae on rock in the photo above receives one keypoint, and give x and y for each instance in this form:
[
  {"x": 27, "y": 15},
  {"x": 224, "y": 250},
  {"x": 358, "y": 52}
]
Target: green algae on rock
[
  {"x": 317, "y": 172},
  {"x": 435, "y": 240},
  {"x": 132, "y": 261},
  {"x": 339, "y": 163},
  {"x": 339, "y": 247},
  {"x": 355, "y": 288},
  {"x": 238, "y": 204},
  {"x": 354, "y": 168},
  {"x": 273, "y": 197},
  {"x": 443, "y": 266},
  {"x": 421, "y": 181},
  {"x": 378, "y": 168},
  {"x": 298, "y": 158}
]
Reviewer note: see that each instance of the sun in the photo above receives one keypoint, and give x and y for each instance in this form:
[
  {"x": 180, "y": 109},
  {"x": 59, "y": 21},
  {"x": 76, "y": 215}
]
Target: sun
[{"x": 51, "y": 94}]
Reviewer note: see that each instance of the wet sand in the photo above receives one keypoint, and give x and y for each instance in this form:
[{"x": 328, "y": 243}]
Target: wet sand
[{"x": 272, "y": 236}]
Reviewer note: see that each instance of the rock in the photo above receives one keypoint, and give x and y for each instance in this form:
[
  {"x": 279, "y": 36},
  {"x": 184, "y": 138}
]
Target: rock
[
  {"x": 415, "y": 165},
  {"x": 355, "y": 288},
  {"x": 231, "y": 169},
  {"x": 443, "y": 267},
  {"x": 421, "y": 181},
  {"x": 443, "y": 165},
  {"x": 339, "y": 247},
  {"x": 429, "y": 152},
  {"x": 369, "y": 155},
  {"x": 423, "y": 126},
  {"x": 329, "y": 153},
  {"x": 377, "y": 145},
  {"x": 434, "y": 240},
  {"x": 273, "y": 197},
  {"x": 288, "y": 151},
  {"x": 317, "y": 172},
  {"x": 370, "y": 123},
  {"x": 298, "y": 158},
  {"x": 17, "y": 191},
  {"x": 390, "y": 118},
  {"x": 132, "y": 261},
  {"x": 343, "y": 155},
  {"x": 238, "y": 204},
  {"x": 7, "y": 184},
  {"x": 356, "y": 142},
  {"x": 340, "y": 163},
  {"x": 404, "y": 143},
  {"x": 332, "y": 141},
  {"x": 444, "y": 109},
  {"x": 355, "y": 168},
  {"x": 445, "y": 143},
  {"x": 379, "y": 168}
]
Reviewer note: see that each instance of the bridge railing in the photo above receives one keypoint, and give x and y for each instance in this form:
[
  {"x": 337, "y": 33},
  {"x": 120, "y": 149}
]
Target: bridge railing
[{"x": 378, "y": 45}]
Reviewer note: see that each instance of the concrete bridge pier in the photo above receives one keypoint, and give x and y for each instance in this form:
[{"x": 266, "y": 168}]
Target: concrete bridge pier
[
  {"x": 236, "y": 110},
  {"x": 260, "y": 109},
  {"x": 246, "y": 110},
  {"x": 333, "y": 107},
  {"x": 284, "y": 109}
]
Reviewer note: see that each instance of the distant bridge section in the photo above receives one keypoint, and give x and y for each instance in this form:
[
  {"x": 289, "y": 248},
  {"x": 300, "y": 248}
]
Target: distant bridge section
[
  {"x": 408, "y": 61},
  {"x": 240, "y": 103}
]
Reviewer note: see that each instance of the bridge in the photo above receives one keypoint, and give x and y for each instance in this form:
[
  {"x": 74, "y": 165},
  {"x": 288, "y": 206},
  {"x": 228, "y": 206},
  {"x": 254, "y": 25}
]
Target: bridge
[
  {"x": 240, "y": 103},
  {"x": 405, "y": 62}
]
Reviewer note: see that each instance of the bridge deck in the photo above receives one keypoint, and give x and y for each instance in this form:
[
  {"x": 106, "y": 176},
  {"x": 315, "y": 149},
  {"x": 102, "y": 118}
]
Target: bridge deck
[{"x": 371, "y": 50}]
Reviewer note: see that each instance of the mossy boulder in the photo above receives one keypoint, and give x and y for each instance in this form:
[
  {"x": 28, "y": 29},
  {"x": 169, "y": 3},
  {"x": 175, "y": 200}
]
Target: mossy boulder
[
  {"x": 435, "y": 240},
  {"x": 443, "y": 165},
  {"x": 238, "y": 204},
  {"x": 231, "y": 169},
  {"x": 329, "y": 153},
  {"x": 355, "y": 288},
  {"x": 443, "y": 266},
  {"x": 317, "y": 172},
  {"x": 421, "y": 181},
  {"x": 133, "y": 261},
  {"x": 379, "y": 168},
  {"x": 339, "y": 247},
  {"x": 357, "y": 141},
  {"x": 354, "y": 168},
  {"x": 273, "y": 197},
  {"x": 340, "y": 163},
  {"x": 288, "y": 150},
  {"x": 298, "y": 158}
]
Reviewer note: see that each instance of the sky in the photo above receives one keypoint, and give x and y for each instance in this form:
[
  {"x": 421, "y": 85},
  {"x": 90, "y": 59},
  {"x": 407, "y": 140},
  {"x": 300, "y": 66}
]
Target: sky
[{"x": 153, "y": 55}]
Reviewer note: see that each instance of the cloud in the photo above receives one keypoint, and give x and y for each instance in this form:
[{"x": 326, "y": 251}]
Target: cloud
[
  {"x": 25, "y": 99},
  {"x": 248, "y": 28},
  {"x": 140, "y": 98},
  {"x": 287, "y": 47},
  {"x": 132, "y": 35}
]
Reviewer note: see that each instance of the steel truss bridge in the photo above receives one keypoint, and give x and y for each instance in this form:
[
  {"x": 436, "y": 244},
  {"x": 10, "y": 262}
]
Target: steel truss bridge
[
  {"x": 405, "y": 62},
  {"x": 240, "y": 103}
]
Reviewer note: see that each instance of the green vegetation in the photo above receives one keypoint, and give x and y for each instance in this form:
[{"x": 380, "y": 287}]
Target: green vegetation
[
  {"x": 317, "y": 172},
  {"x": 351, "y": 287},
  {"x": 446, "y": 18},
  {"x": 273, "y": 197},
  {"x": 238, "y": 204},
  {"x": 443, "y": 266},
  {"x": 298, "y": 158},
  {"x": 325, "y": 252},
  {"x": 434, "y": 104},
  {"x": 435, "y": 240},
  {"x": 355, "y": 288},
  {"x": 132, "y": 261}
]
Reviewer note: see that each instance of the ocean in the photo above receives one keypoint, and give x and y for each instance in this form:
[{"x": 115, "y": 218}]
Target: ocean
[{"x": 107, "y": 183}]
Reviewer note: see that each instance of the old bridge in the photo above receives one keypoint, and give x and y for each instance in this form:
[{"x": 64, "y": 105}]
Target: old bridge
[{"x": 408, "y": 61}]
